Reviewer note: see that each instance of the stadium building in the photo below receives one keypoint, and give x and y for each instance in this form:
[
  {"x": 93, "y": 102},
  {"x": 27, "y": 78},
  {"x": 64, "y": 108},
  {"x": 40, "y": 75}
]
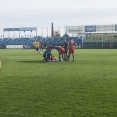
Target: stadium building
[{"x": 89, "y": 36}]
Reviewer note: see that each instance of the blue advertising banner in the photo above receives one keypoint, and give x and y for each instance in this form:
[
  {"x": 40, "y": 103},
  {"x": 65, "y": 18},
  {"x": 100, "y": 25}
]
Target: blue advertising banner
[{"x": 91, "y": 28}]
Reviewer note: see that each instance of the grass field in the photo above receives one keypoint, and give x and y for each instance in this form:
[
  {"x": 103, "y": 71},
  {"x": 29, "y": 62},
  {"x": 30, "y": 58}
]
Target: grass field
[{"x": 86, "y": 87}]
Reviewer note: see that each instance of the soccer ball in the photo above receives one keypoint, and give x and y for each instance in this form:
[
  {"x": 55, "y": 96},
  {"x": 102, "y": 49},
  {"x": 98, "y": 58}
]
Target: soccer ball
[{"x": 61, "y": 60}]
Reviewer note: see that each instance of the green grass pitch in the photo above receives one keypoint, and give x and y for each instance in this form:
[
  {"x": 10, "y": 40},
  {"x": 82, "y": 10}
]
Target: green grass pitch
[{"x": 86, "y": 87}]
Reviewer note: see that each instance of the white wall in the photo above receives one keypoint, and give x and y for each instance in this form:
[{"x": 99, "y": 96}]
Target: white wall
[{"x": 14, "y": 46}]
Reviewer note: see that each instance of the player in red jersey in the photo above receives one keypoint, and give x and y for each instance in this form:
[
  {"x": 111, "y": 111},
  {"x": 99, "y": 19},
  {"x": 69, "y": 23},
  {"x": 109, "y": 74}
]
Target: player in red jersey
[
  {"x": 110, "y": 45},
  {"x": 61, "y": 51},
  {"x": 71, "y": 48},
  {"x": 50, "y": 47},
  {"x": 41, "y": 47}
]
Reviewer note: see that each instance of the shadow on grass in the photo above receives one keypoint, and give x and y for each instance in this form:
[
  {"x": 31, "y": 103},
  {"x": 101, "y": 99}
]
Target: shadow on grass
[{"x": 31, "y": 61}]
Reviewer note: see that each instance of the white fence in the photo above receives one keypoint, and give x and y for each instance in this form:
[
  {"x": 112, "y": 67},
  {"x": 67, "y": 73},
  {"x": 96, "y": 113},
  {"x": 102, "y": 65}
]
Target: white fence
[{"x": 14, "y": 46}]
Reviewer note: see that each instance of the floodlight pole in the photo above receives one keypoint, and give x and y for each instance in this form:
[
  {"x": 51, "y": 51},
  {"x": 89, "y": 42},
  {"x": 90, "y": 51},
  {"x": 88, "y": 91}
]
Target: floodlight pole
[
  {"x": 59, "y": 30},
  {"x": 8, "y": 34},
  {"x": 112, "y": 37},
  {"x": 19, "y": 33},
  {"x": 42, "y": 31},
  {"x": 102, "y": 36},
  {"x": 3, "y": 33},
  {"x": 36, "y": 33},
  {"x": 102, "y": 40},
  {"x": 82, "y": 40},
  {"x": 14, "y": 34},
  {"x": 65, "y": 30},
  {"x": 47, "y": 31},
  {"x": 82, "y": 35}
]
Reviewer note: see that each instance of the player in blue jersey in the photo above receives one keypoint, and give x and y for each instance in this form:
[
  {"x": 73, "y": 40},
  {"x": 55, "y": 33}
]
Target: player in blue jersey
[{"x": 47, "y": 55}]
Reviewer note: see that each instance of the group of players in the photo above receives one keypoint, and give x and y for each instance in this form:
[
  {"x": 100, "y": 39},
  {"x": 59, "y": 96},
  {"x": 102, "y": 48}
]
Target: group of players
[
  {"x": 64, "y": 51},
  {"x": 38, "y": 47}
]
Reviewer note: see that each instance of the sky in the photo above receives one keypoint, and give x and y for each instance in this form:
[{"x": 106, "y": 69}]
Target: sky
[{"x": 41, "y": 13}]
